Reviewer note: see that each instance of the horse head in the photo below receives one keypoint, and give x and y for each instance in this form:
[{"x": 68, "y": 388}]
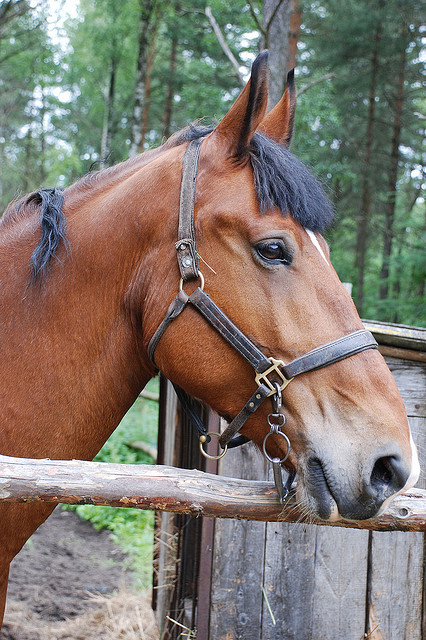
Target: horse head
[{"x": 258, "y": 218}]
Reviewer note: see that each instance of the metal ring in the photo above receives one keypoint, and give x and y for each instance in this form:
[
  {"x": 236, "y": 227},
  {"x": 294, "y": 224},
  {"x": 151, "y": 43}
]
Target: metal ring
[
  {"x": 207, "y": 455},
  {"x": 200, "y": 275},
  {"x": 267, "y": 456}
]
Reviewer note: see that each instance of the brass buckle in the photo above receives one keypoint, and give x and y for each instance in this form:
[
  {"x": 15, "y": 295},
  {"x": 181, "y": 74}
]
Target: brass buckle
[{"x": 262, "y": 378}]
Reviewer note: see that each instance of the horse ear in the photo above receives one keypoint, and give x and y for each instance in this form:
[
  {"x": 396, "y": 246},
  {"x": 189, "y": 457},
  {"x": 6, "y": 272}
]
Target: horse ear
[
  {"x": 240, "y": 123},
  {"x": 278, "y": 123}
]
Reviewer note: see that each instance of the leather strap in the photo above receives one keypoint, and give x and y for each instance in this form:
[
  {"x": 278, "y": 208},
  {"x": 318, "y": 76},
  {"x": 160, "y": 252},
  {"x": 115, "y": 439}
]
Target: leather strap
[
  {"x": 241, "y": 418},
  {"x": 187, "y": 403},
  {"x": 315, "y": 359},
  {"x": 176, "y": 307},
  {"x": 186, "y": 248},
  {"x": 227, "y": 329},
  {"x": 330, "y": 353}
]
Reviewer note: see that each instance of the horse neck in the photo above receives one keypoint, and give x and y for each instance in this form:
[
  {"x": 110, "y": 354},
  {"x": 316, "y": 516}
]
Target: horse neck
[{"x": 78, "y": 334}]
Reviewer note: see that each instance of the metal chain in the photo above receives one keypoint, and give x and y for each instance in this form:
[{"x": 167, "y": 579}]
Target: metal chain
[{"x": 276, "y": 420}]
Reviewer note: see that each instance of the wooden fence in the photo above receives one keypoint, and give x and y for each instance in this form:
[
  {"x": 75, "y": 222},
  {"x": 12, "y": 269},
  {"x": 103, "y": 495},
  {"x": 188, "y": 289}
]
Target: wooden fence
[
  {"x": 161, "y": 488},
  {"x": 242, "y": 580}
]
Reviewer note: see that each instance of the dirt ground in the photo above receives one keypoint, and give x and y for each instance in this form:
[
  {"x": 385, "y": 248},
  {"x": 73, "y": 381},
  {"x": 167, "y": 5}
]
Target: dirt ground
[{"x": 68, "y": 583}]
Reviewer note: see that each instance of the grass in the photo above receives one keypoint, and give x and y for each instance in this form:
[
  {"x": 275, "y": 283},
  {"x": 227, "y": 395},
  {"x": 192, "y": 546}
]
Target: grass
[{"x": 132, "y": 529}]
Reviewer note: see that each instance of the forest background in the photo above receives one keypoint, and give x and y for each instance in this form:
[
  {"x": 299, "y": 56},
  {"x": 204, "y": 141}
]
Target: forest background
[{"x": 87, "y": 83}]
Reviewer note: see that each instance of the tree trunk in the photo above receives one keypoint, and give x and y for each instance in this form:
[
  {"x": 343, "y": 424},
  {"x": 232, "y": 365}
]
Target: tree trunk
[
  {"x": 365, "y": 206},
  {"x": 276, "y": 28},
  {"x": 145, "y": 23},
  {"x": 395, "y": 317},
  {"x": 106, "y": 139},
  {"x": 293, "y": 34},
  {"x": 147, "y": 92},
  {"x": 393, "y": 170},
  {"x": 42, "y": 138},
  {"x": 168, "y": 110}
]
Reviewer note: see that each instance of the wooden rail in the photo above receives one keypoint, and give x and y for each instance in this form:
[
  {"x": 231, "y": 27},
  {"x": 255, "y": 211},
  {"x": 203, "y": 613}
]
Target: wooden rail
[{"x": 164, "y": 488}]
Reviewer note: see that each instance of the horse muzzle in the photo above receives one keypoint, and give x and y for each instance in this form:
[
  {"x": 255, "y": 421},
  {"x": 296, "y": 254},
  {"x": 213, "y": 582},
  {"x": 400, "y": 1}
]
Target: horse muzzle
[{"x": 331, "y": 491}]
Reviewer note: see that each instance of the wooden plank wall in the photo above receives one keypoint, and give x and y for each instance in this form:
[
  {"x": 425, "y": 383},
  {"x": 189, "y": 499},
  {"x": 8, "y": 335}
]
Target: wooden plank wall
[
  {"x": 179, "y": 539},
  {"x": 279, "y": 581},
  {"x": 283, "y": 581},
  {"x": 397, "y": 562}
]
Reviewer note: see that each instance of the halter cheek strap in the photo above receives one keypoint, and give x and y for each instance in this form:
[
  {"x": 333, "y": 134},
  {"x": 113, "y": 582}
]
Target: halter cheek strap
[
  {"x": 271, "y": 375},
  {"x": 187, "y": 255},
  {"x": 268, "y": 370}
]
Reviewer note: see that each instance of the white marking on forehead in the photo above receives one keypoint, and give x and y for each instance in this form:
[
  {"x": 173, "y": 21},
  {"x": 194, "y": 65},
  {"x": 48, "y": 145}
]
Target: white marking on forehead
[{"x": 315, "y": 242}]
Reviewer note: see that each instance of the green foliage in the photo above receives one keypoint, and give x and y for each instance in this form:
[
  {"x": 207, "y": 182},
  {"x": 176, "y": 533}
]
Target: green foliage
[
  {"x": 363, "y": 44},
  {"x": 140, "y": 423}
]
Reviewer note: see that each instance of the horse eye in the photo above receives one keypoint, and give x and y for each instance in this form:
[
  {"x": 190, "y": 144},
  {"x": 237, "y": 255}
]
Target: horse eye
[{"x": 273, "y": 252}]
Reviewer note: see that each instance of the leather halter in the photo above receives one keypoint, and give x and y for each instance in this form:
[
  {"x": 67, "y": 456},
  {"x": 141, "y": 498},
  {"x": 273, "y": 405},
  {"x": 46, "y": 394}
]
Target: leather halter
[{"x": 272, "y": 375}]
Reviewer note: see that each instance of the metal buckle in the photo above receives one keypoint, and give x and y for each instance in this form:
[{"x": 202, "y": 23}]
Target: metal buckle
[{"x": 261, "y": 378}]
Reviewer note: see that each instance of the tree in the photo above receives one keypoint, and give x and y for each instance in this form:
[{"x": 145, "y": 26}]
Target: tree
[
  {"x": 373, "y": 138},
  {"x": 278, "y": 22},
  {"x": 363, "y": 222},
  {"x": 26, "y": 76},
  {"x": 148, "y": 23},
  {"x": 100, "y": 76},
  {"x": 136, "y": 70}
]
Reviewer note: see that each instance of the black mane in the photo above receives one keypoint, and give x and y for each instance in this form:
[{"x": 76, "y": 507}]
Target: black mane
[
  {"x": 282, "y": 181},
  {"x": 52, "y": 229}
]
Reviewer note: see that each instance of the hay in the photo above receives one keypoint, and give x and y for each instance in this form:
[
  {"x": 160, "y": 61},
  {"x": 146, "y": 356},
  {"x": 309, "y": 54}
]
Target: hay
[{"x": 126, "y": 615}]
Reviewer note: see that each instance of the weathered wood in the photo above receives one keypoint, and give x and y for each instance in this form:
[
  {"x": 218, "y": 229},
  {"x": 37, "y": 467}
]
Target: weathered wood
[
  {"x": 289, "y": 580},
  {"x": 397, "y": 335},
  {"x": 163, "y": 488},
  {"x": 403, "y": 354},
  {"x": 410, "y": 378},
  {"x": 238, "y": 561},
  {"x": 396, "y": 585},
  {"x": 165, "y": 549},
  {"x": 313, "y": 577},
  {"x": 396, "y": 572},
  {"x": 339, "y": 584}
]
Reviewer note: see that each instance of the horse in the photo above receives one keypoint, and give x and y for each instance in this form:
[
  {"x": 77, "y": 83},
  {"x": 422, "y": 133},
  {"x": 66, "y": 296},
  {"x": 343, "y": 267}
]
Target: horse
[{"x": 90, "y": 283}]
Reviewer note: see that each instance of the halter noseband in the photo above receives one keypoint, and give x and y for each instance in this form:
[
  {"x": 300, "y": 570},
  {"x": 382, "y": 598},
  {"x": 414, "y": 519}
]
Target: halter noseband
[{"x": 271, "y": 375}]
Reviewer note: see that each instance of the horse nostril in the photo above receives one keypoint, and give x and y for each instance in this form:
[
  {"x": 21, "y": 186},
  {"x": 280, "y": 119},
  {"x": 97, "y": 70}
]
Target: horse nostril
[
  {"x": 389, "y": 473},
  {"x": 382, "y": 472}
]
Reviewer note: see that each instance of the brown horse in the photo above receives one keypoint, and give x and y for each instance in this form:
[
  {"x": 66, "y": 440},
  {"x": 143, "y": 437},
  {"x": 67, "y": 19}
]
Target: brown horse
[{"x": 79, "y": 307}]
